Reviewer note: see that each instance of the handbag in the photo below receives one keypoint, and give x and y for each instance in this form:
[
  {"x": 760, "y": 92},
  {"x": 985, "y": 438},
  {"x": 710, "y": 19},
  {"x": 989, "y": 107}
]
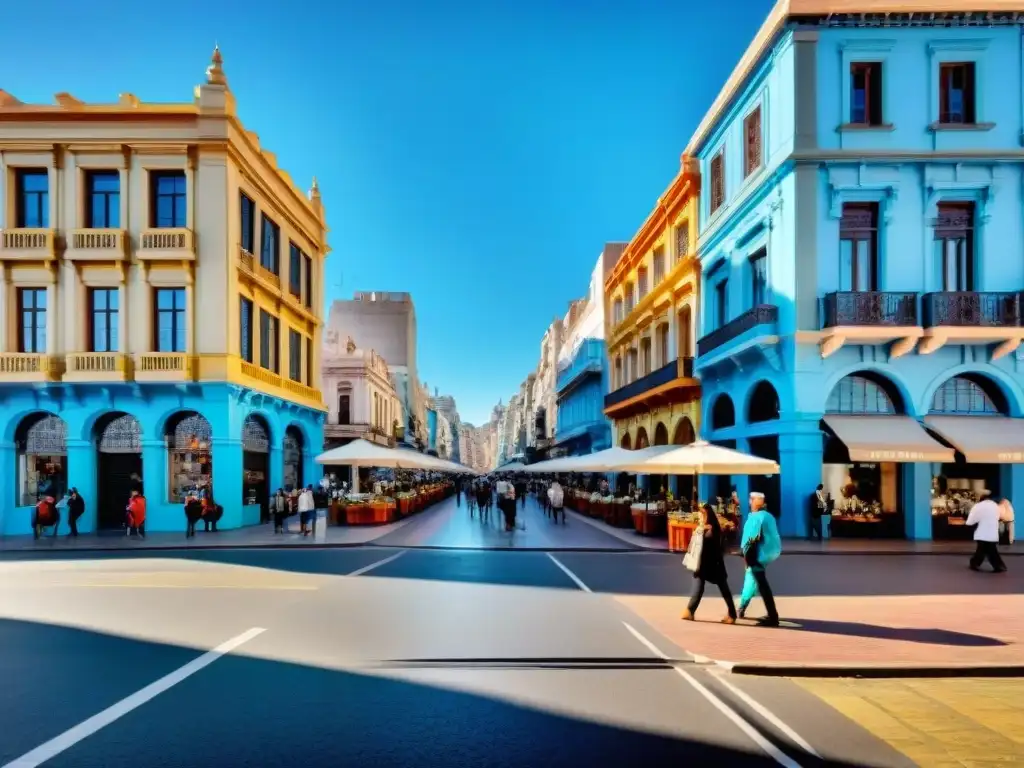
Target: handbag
[{"x": 691, "y": 560}]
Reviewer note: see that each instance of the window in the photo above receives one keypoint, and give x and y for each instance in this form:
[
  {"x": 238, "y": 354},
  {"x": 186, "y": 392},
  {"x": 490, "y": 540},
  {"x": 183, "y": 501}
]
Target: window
[
  {"x": 956, "y": 93},
  {"x": 245, "y": 328},
  {"x": 344, "y": 412},
  {"x": 954, "y": 245},
  {"x": 659, "y": 266},
  {"x": 294, "y": 269},
  {"x": 964, "y": 396},
  {"x": 168, "y": 192},
  {"x": 307, "y": 264},
  {"x": 617, "y": 312},
  {"x": 169, "y": 325},
  {"x": 645, "y": 356},
  {"x": 32, "y": 320},
  {"x": 630, "y": 297},
  {"x": 103, "y": 209},
  {"x": 247, "y": 216},
  {"x": 759, "y": 278},
  {"x": 717, "y": 181},
  {"x": 103, "y": 305},
  {"x": 269, "y": 248},
  {"x": 752, "y": 142},
  {"x": 858, "y": 247},
  {"x": 685, "y": 330},
  {"x": 683, "y": 241},
  {"x": 641, "y": 282},
  {"x": 866, "y": 93},
  {"x": 33, "y": 198},
  {"x": 721, "y": 303},
  {"x": 294, "y": 355},
  {"x": 856, "y": 394},
  {"x": 268, "y": 341},
  {"x": 663, "y": 344},
  {"x": 309, "y": 362}
]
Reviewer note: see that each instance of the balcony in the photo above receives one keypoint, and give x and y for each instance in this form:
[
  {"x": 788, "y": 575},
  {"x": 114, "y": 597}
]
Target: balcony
[
  {"x": 167, "y": 244},
  {"x": 588, "y": 361},
  {"x": 28, "y": 245},
  {"x": 762, "y": 315},
  {"x": 363, "y": 431},
  {"x": 26, "y": 367},
  {"x": 972, "y": 317},
  {"x": 870, "y": 317},
  {"x": 261, "y": 374},
  {"x": 97, "y": 245},
  {"x": 97, "y": 366},
  {"x": 164, "y": 366},
  {"x": 250, "y": 265},
  {"x": 303, "y": 391},
  {"x": 670, "y": 383}
]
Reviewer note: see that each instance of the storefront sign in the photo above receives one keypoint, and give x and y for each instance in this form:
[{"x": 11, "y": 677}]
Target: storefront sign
[
  {"x": 1015, "y": 456},
  {"x": 896, "y": 456}
]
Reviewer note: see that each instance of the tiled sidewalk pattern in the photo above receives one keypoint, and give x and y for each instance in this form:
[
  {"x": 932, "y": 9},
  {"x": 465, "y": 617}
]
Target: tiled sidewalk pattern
[{"x": 936, "y": 723}]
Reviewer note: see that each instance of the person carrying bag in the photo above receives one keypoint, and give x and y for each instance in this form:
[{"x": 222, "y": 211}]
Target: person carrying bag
[{"x": 705, "y": 556}]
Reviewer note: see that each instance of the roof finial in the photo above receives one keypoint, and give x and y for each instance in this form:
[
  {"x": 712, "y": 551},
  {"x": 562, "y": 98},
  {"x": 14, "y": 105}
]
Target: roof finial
[
  {"x": 215, "y": 72},
  {"x": 314, "y": 191}
]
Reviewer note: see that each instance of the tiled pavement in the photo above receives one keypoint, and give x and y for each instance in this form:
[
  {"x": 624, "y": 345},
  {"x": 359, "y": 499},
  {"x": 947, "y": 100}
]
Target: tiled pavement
[{"x": 937, "y": 723}]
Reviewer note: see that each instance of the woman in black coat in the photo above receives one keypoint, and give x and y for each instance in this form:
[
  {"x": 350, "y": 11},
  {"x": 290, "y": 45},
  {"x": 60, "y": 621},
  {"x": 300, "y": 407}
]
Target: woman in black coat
[{"x": 712, "y": 567}]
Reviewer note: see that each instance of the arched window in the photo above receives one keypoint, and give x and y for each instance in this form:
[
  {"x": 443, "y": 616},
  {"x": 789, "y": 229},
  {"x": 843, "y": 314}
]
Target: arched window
[
  {"x": 684, "y": 433},
  {"x": 121, "y": 433},
  {"x": 626, "y": 442},
  {"x": 41, "y": 441},
  {"x": 862, "y": 394},
  {"x": 642, "y": 440},
  {"x": 967, "y": 394},
  {"x": 764, "y": 403},
  {"x": 190, "y": 457},
  {"x": 723, "y": 413},
  {"x": 292, "y": 454},
  {"x": 255, "y": 435},
  {"x": 661, "y": 434}
]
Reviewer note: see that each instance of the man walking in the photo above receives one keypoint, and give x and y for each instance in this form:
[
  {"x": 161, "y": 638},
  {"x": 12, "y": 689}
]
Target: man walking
[
  {"x": 760, "y": 545},
  {"x": 985, "y": 516}
]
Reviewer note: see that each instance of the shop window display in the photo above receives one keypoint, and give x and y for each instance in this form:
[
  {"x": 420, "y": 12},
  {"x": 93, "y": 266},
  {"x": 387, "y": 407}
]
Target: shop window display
[
  {"x": 190, "y": 454},
  {"x": 42, "y": 459}
]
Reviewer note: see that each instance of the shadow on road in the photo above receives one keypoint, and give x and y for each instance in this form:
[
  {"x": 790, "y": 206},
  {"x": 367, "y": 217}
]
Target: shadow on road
[
  {"x": 906, "y": 634},
  {"x": 245, "y": 710}
]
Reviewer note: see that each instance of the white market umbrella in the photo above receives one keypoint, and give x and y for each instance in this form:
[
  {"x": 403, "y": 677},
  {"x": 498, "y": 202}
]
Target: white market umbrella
[
  {"x": 515, "y": 466},
  {"x": 608, "y": 460},
  {"x": 702, "y": 458},
  {"x": 363, "y": 453}
]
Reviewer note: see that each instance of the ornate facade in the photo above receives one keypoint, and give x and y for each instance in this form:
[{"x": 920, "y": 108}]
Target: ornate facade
[
  {"x": 360, "y": 393},
  {"x": 160, "y": 311}
]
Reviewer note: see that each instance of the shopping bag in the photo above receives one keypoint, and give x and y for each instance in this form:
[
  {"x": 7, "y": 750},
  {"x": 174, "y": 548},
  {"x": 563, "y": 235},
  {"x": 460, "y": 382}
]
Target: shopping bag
[{"x": 692, "y": 557}]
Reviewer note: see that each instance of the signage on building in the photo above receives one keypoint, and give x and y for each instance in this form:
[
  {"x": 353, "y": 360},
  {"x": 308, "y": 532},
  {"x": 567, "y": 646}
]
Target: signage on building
[
  {"x": 1011, "y": 456},
  {"x": 896, "y": 456}
]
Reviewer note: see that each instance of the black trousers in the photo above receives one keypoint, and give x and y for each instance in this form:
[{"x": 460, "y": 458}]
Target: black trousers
[
  {"x": 73, "y": 524},
  {"x": 987, "y": 550},
  {"x": 698, "y": 593},
  {"x": 816, "y": 527}
]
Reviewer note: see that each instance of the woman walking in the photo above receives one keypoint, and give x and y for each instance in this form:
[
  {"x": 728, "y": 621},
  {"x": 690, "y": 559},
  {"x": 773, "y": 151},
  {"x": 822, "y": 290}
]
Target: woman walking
[{"x": 711, "y": 567}]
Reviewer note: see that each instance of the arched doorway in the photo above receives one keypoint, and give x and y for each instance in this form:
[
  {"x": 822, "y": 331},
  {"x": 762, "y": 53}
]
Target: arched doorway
[
  {"x": 189, "y": 456},
  {"x": 866, "y": 496},
  {"x": 763, "y": 405},
  {"x": 42, "y": 470},
  {"x": 957, "y": 486},
  {"x": 661, "y": 434},
  {"x": 641, "y": 439},
  {"x": 626, "y": 442},
  {"x": 292, "y": 452},
  {"x": 256, "y": 463},
  {"x": 118, "y": 439}
]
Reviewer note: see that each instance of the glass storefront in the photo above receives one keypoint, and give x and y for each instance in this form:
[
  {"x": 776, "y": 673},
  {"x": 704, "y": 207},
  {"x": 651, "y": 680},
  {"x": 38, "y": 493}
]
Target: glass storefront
[
  {"x": 190, "y": 458},
  {"x": 42, "y": 459},
  {"x": 865, "y": 499}
]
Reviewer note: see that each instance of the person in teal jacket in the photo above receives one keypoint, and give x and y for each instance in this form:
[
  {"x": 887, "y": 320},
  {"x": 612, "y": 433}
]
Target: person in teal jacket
[{"x": 760, "y": 545}]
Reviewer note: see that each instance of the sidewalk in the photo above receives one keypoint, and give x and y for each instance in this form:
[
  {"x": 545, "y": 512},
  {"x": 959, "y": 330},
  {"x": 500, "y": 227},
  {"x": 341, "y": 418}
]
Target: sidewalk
[
  {"x": 807, "y": 547},
  {"x": 883, "y": 636}
]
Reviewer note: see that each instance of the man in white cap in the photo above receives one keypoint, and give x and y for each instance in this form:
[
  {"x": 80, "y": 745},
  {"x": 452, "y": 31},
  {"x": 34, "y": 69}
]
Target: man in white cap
[
  {"x": 760, "y": 545},
  {"x": 985, "y": 516}
]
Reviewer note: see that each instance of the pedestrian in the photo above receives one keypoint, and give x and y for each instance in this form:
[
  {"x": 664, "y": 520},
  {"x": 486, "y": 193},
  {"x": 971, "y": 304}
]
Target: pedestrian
[
  {"x": 985, "y": 517},
  {"x": 135, "y": 517},
  {"x": 556, "y": 496},
  {"x": 819, "y": 507},
  {"x": 305, "y": 507},
  {"x": 279, "y": 510},
  {"x": 212, "y": 512},
  {"x": 761, "y": 546},
  {"x": 1006, "y": 522},
  {"x": 520, "y": 489},
  {"x": 710, "y": 566},
  {"x": 193, "y": 514},
  {"x": 44, "y": 515},
  {"x": 508, "y": 506},
  {"x": 470, "y": 498},
  {"x": 458, "y": 492},
  {"x": 76, "y": 508}
]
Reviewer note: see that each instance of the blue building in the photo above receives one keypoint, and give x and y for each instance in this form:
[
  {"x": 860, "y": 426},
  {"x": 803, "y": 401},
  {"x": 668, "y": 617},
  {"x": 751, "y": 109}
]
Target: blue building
[
  {"x": 860, "y": 240},
  {"x": 580, "y": 386},
  {"x": 161, "y": 326}
]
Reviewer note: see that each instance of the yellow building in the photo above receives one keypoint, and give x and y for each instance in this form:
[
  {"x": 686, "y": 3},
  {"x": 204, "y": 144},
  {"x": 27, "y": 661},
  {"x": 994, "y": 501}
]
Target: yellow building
[
  {"x": 160, "y": 308},
  {"x": 651, "y": 305}
]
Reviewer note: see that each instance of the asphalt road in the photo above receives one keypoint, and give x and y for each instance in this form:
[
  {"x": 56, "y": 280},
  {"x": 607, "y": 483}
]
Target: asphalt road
[{"x": 378, "y": 657}]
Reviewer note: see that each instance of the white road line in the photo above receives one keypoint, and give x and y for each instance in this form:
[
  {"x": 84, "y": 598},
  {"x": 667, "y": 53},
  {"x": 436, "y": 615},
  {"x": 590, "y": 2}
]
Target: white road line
[
  {"x": 87, "y": 728},
  {"x": 752, "y": 733},
  {"x": 768, "y": 715},
  {"x": 378, "y": 564},
  {"x": 576, "y": 579}
]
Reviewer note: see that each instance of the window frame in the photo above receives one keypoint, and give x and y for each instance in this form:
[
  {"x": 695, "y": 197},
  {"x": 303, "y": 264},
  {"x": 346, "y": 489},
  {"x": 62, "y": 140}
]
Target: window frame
[
  {"x": 179, "y": 199},
  {"x": 874, "y": 92},
  {"x": 854, "y": 233},
  {"x": 34, "y": 326},
  {"x": 967, "y": 234},
  {"x": 111, "y": 200},
  {"x": 41, "y": 199},
  {"x": 294, "y": 355},
  {"x": 758, "y": 285},
  {"x": 295, "y": 255},
  {"x": 307, "y": 265},
  {"x": 179, "y": 321},
  {"x": 111, "y": 316},
  {"x": 716, "y": 196},
  {"x": 247, "y": 223},
  {"x": 750, "y": 167},
  {"x": 269, "y": 342},
  {"x": 970, "y": 92},
  {"x": 246, "y": 330}
]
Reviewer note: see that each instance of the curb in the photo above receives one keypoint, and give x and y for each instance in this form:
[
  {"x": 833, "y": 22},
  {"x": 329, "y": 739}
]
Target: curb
[{"x": 869, "y": 672}]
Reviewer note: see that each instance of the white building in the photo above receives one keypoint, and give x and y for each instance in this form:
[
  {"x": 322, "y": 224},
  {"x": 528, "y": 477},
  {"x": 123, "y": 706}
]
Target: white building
[{"x": 361, "y": 397}]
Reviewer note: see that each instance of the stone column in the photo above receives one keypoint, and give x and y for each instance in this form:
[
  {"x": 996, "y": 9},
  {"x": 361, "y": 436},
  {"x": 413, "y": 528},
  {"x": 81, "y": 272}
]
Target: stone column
[
  {"x": 82, "y": 475},
  {"x": 12, "y": 522},
  {"x": 228, "y": 486},
  {"x": 275, "y": 475},
  {"x": 159, "y": 515},
  {"x": 800, "y": 455},
  {"x": 916, "y": 500}
]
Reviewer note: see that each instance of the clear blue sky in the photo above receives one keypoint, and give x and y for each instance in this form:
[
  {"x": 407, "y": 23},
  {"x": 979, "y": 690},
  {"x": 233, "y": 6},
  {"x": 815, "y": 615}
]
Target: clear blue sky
[{"x": 475, "y": 154}]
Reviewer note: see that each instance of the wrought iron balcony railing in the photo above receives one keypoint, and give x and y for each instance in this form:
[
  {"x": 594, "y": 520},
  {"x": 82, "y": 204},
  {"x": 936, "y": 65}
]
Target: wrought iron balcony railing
[
  {"x": 869, "y": 308},
  {"x": 665, "y": 374},
  {"x": 763, "y": 314},
  {"x": 972, "y": 309}
]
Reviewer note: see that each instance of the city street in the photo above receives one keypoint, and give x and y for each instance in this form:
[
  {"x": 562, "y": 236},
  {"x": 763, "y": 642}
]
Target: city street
[{"x": 405, "y": 657}]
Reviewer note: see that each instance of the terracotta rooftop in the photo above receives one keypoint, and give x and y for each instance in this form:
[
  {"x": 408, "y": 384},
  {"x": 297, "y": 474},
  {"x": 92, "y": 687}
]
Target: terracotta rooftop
[{"x": 784, "y": 9}]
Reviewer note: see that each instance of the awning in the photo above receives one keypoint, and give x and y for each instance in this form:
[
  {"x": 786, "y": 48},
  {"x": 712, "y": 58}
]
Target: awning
[
  {"x": 887, "y": 438},
  {"x": 983, "y": 439}
]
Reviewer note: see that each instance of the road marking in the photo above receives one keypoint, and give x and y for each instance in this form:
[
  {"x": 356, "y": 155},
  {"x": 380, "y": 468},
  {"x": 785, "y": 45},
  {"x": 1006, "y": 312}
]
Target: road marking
[
  {"x": 87, "y": 728},
  {"x": 576, "y": 579},
  {"x": 768, "y": 715},
  {"x": 304, "y": 588},
  {"x": 752, "y": 733},
  {"x": 378, "y": 564}
]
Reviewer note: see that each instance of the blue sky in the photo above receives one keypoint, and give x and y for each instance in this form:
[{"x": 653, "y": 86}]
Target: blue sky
[{"x": 475, "y": 154}]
